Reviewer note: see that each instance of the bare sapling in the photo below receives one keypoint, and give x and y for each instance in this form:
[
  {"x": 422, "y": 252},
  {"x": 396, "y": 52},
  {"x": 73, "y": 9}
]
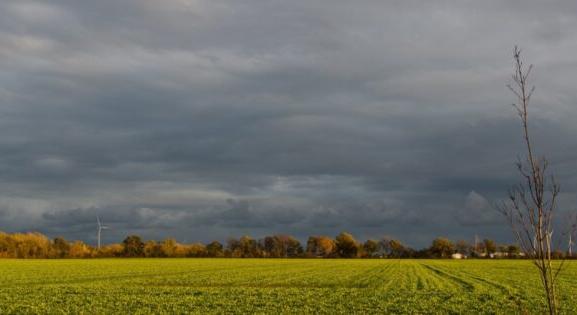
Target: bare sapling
[{"x": 531, "y": 205}]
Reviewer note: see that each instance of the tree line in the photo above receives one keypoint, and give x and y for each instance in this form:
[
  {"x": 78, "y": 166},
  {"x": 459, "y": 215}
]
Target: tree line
[{"x": 344, "y": 245}]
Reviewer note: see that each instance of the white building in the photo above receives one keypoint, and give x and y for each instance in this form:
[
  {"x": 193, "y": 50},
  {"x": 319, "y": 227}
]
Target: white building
[{"x": 458, "y": 256}]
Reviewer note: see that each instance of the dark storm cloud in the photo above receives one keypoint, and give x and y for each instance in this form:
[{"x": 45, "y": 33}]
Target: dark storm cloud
[
  {"x": 207, "y": 119},
  {"x": 477, "y": 210}
]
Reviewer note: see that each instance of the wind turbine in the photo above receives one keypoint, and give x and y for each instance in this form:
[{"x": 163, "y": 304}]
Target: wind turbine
[
  {"x": 99, "y": 229},
  {"x": 570, "y": 245}
]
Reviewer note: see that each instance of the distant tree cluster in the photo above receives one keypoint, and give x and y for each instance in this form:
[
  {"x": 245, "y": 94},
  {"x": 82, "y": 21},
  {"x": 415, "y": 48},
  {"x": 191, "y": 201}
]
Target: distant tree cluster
[{"x": 344, "y": 245}]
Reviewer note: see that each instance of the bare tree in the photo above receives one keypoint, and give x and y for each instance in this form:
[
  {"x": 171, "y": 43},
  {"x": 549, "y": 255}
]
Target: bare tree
[{"x": 531, "y": 204}]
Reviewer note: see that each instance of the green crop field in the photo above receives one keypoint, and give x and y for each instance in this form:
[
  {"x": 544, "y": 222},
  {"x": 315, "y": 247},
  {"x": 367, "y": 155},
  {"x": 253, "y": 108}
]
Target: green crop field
[{"x": 135, "y": 286}]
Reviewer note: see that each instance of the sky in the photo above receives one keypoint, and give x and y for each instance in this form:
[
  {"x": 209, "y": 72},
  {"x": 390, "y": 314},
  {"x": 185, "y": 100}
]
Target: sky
[{"x": 209, "y": 119}]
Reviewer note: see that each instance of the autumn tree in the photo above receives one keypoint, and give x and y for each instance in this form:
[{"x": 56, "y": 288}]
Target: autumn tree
[
  {"x": 30, "y": 245},
  {"x": 111, "y": 250},
  {"x": 346, "y": 245},
  {"x": 133, "y": 246},
  {"x": 245, "y": 247},
  {"x": 273, "y": 247},
  {"x": 281, "y": 246},
  {"x": 152, "y": 249},
  {"x": 195, "y": 250},
  {"x": 489, "y": 246},
  {"x": 4, "y": 245},
  {"x": 61, "y": 247},
  {"x": 442, "y": 247},
  {"x": 370, "y": 248},
  {"x": 79, "y": 249},
  {"x": 463, "y": 247},
  {"x": 168, "y": 247},
  {"x": 215, "y": 249},
  {"x": 393, "y": 248},
  {"x": 320, "y": 246}
]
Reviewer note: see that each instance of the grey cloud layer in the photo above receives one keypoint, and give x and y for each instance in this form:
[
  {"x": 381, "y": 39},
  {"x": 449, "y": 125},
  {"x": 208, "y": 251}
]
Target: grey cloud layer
[{"x": 206, "y": 119}]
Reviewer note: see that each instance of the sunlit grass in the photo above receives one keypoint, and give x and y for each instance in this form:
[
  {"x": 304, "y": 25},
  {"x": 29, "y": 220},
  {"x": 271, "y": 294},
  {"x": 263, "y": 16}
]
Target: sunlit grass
[{"x": 103, "y": 286}]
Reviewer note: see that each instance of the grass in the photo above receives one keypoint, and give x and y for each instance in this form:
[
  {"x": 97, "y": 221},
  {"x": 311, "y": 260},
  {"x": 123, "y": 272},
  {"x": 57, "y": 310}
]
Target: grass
[{"x": 173, "y": 286}]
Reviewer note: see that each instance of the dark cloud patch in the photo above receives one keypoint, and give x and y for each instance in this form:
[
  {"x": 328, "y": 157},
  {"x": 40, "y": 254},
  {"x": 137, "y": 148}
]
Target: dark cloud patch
[
  {"x": 478, "y": 211},
  {"x": 308, "y": 117},
  {"x": 244, "y": 214}
]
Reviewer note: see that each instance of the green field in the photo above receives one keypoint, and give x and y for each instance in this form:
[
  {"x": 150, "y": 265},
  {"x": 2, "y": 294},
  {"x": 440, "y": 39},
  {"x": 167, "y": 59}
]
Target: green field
[{"x": 103, "y": 286}]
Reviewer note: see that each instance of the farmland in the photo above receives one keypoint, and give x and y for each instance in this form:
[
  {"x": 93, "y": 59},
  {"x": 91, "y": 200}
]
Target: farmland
[{"x": 100, "y": 286}]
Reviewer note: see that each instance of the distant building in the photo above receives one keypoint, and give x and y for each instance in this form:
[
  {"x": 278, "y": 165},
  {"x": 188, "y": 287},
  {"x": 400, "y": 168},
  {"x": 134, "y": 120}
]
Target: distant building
[
  {"x": 499, "y": 255},
  {"x": 458, "y": 256}
]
